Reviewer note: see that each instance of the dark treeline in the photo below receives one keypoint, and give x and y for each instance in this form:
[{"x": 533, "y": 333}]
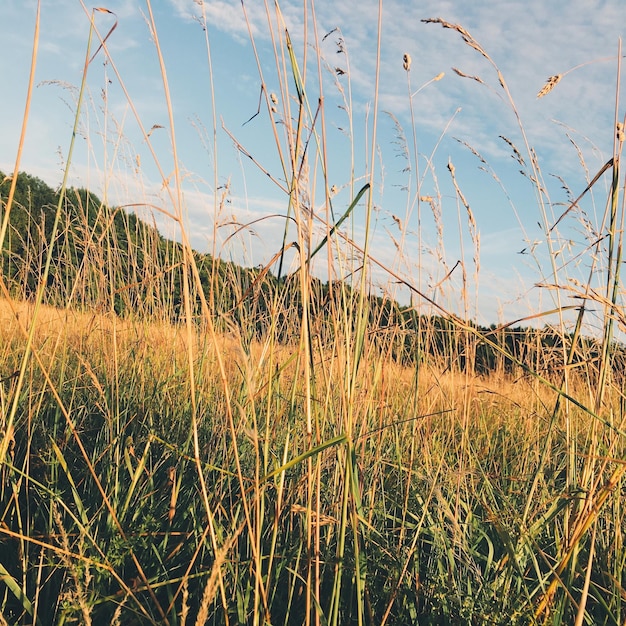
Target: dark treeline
[{"x": 106, "y": 258}]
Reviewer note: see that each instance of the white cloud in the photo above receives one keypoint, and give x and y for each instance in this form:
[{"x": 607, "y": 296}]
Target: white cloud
[{"x": 528, "y": 40}]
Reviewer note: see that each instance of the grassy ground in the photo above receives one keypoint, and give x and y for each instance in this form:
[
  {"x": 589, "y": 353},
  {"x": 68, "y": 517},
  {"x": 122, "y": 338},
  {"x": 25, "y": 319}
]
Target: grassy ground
[{"x": 429, "y": 497}]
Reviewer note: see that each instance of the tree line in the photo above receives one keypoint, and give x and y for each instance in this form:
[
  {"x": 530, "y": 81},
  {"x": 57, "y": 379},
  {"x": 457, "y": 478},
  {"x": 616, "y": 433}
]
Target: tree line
[{"x": 109, "y": 259}]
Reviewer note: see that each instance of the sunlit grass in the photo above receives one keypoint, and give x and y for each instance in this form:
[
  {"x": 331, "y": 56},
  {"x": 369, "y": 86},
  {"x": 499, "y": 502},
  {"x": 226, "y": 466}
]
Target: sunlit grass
[{"x": 185, "y": 441}]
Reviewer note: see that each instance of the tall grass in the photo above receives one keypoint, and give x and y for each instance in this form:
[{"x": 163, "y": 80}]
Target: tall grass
[{"x": 268, "y": 448}]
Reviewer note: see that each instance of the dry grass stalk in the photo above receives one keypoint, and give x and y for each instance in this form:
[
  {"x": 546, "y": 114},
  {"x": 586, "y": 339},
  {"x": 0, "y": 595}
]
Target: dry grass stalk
[
  {"x": 518, "y": 155},
  {"x": 458, "y": 72},
  {"x": 213, "y": 582},
  {"x": 81, "y": 576}
]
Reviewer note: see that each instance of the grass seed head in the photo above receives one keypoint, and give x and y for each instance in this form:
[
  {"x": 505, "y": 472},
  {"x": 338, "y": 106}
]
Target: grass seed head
[{"x": 552, "y": 82}]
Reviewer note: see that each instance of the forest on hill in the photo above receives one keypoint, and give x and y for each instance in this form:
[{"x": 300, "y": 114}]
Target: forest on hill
[{"x": 108, "y": 259}]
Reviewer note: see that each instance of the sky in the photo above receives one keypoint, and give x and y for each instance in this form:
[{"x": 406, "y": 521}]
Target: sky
[{"x": 448, "y": 113}]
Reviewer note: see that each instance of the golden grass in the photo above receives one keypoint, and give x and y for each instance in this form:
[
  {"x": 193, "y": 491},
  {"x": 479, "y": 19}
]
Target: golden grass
[
  {"x": 172, "y": 473},
  {"x": 106, "y": 340}
]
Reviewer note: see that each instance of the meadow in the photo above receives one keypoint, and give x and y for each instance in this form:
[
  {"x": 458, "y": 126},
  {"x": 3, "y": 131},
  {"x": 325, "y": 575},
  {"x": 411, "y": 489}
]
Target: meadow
[{"x": 185, "y": 441}]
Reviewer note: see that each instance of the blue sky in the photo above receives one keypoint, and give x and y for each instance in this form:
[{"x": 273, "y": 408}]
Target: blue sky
[{"x": 571, "y": 129}]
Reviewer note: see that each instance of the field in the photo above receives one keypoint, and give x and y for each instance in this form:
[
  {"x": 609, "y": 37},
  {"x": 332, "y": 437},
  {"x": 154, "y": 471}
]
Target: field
[
  {"x": 134, "y": 491},
  {"x": 186, "y": 441}
]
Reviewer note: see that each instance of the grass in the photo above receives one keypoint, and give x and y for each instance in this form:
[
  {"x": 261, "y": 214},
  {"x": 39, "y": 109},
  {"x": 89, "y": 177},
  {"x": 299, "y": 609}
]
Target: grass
[
  {"x": 106, "y": 514},
  {"x": 162, "y": 468}
]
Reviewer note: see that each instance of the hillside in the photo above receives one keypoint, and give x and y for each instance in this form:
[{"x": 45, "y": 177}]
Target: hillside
[{"x": 106, "y": 258}]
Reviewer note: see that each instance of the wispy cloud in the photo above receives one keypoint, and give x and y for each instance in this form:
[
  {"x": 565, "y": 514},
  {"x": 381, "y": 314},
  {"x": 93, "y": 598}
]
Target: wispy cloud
[{"x": 529, "y": 41}]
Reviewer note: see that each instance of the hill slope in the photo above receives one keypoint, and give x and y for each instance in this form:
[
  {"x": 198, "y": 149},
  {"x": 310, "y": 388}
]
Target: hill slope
[{"x": 108, "y": 259}]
